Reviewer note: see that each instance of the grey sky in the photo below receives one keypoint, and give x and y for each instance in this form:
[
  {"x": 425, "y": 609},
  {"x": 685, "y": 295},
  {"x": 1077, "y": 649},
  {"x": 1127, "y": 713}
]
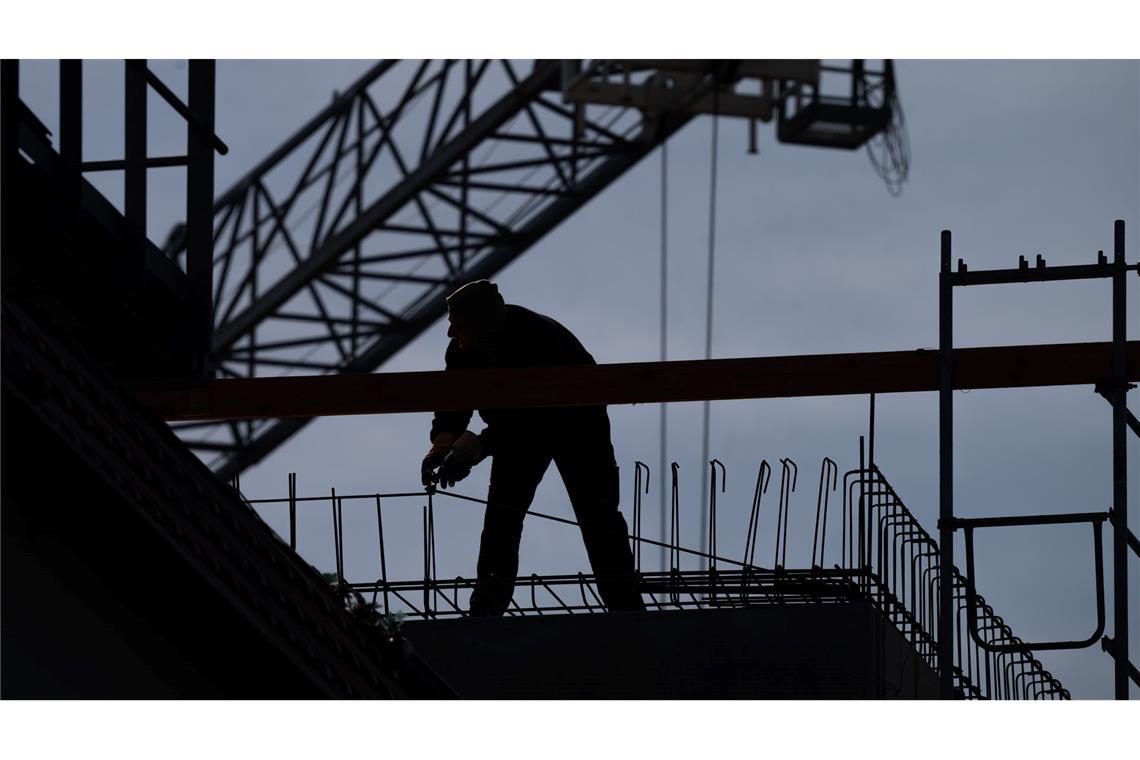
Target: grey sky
[{"x": 813, "y": 256}]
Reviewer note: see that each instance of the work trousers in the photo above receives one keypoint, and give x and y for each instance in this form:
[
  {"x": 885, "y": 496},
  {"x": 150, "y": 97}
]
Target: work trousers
[{"x": 585, "y": 460}]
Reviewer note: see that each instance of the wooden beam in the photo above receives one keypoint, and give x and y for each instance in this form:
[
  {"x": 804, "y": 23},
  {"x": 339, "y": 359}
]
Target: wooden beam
[{"x": 640, "y": 383}]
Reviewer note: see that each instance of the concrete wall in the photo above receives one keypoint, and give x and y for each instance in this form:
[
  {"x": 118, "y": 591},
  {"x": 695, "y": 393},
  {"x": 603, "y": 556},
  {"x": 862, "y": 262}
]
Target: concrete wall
[{"x": 825, "y": 651}]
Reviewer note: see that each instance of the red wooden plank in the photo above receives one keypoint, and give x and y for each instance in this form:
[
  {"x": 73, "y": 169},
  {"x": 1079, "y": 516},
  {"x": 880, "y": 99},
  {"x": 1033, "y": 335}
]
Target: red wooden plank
[{"x": 647, "y": 382}]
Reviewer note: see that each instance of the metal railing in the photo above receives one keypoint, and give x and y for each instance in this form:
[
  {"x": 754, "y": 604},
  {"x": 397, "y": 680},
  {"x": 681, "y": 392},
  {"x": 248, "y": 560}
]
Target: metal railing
[
  {"x": 887, "y": 549},
  {"x": 887, "y": 559}
]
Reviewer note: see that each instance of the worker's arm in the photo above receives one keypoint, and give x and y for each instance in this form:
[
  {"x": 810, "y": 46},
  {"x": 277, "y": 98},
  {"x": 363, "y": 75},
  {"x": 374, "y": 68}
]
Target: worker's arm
[
  {"x": 448, "y": 429},
  {"x": 452, "y": 424}
]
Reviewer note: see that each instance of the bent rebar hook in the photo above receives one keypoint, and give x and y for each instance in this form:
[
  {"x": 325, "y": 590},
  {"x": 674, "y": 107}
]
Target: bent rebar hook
[
  {"x": 822, "y": 497},
  {"x": 713, "y": 464},
  {"x": 786, "y": 466},
  {"x": 674, "y": 537},
  {"x": 762, "y": 478},
  {"x": 638, "y": 467}
]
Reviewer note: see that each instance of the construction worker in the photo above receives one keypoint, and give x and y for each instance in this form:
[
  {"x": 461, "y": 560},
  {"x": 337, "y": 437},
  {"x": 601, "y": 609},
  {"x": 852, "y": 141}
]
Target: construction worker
[{"x": 486, "y": 332}]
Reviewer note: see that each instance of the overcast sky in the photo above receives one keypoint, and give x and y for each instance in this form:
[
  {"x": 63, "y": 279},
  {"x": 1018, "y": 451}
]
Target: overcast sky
[{"x": 813, "y": 256}]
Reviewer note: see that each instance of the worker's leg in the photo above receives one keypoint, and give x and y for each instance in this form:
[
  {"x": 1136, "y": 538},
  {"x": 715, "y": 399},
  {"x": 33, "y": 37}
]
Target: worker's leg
[
  {"x": 590, "y": 473},
  {"x": 516, "y": 471}
]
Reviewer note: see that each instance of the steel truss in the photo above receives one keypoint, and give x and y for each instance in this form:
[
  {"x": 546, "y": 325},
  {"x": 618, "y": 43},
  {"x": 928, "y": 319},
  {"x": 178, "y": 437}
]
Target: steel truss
[{"x": 339, "y": 248}]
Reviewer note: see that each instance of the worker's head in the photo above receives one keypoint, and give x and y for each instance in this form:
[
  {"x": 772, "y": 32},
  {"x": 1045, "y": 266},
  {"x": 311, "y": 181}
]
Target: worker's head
[{"x": 475, "y": 313}]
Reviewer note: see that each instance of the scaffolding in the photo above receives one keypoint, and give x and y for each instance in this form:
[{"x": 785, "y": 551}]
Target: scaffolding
[{"x": 1114, "y": 386}]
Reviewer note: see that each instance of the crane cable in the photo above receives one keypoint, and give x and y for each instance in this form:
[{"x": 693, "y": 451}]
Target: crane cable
[
  {"x": 664, "y": 319},
  {"x": 709, "y": 313}
]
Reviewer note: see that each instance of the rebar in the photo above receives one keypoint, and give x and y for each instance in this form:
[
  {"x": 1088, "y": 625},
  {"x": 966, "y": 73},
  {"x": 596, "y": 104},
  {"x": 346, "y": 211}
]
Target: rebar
[{"x": 895, "y": 569}]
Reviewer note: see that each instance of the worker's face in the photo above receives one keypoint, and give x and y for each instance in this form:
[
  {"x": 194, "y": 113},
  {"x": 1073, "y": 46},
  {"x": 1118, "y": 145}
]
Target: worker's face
[{"x": 469, "y": 338}]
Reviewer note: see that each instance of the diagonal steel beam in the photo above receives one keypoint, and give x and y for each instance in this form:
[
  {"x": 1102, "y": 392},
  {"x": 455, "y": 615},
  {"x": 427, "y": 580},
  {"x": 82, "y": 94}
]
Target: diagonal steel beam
[
  {"x": 302, "y": 134},
  {"x": 544, "y": 76},
  {"x": 433, "y": 305},
  {"x": 448, "y": 180}
]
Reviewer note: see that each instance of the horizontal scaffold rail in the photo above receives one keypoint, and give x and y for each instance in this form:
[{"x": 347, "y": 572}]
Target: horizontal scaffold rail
[{"x": 637, "y": 383}]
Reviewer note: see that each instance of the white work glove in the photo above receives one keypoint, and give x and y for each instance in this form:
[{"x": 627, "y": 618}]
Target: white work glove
[
  {"x": 466, "y": 452},
  {"x": 435, "y": 456}
]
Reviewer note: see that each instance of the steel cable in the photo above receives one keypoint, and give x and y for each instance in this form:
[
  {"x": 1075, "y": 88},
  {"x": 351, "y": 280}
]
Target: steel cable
[{"x": 709, "y": 308}]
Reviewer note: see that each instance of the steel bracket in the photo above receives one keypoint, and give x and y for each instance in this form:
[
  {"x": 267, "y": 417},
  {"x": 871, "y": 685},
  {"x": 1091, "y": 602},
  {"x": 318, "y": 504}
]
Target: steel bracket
[{"x": 967, "y": 526}]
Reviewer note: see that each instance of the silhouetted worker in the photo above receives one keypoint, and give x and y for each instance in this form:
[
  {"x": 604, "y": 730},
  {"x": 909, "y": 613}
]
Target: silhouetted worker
[{"x": 485, "y": 332}]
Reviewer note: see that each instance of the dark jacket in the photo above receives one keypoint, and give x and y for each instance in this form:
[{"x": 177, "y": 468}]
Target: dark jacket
[{"x": 527, "y": 339}]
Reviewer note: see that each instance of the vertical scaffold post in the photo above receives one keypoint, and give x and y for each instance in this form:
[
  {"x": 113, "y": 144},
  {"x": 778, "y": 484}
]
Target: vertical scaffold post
[
  {"x": 871, "y": 434},
  {"x": 134, "y": 179},
  {"x": 1119, "y": 463},
  {"x": 9, "y": 136},
  {"x": 945, "y": 473},
  {"x": 199, "y": 209},
  {"x": 71, "y": 135},
  {"x": 293, "y": 511}
]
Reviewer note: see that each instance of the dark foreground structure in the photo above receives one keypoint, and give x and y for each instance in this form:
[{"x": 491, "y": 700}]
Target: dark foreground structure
[
  {"x": 811, "y": 651},
  {"x": 131, "y": 569}
]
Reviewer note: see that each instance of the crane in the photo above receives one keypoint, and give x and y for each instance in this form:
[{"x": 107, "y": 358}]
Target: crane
[{"x": 339, "y": 248}]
